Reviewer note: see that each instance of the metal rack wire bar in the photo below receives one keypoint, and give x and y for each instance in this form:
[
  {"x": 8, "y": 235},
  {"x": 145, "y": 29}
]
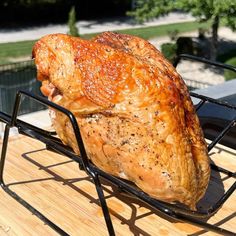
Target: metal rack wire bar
[
  {"x": 203, "y": 60},
  {"x": 170, "y": 210}
]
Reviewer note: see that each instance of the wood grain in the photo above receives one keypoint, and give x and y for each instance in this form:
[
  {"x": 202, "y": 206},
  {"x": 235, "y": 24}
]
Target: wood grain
[{"x": 55, "y": 186}]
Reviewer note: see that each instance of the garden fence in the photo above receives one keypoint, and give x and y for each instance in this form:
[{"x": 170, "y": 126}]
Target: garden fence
[{"x": 15, "y": 77}]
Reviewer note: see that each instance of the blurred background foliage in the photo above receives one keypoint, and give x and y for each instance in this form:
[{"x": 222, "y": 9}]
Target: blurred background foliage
[
  {"x": 73, "y": 30},
  {"x": 214, "y": 11}
]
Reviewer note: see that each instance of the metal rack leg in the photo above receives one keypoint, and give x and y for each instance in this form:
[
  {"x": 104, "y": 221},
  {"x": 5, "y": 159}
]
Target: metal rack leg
[
  {"x": 4, "y": 151},
  {"x": 104, "y": 205},
  {"x": 17, "y": 197}
]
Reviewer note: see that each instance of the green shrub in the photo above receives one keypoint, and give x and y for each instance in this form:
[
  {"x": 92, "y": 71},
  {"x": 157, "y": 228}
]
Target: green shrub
[
  {"x": 169, "y": 51},
  {"x": 184, "y": 45},
  {"x": 73, "y": 30},
  {"x": 228, "y": 73},
  {"x": 202, "y": 32}
]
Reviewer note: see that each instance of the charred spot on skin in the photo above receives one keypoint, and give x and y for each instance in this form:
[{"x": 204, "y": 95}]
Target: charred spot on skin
[
  {"x": 156, "y": 162},
  {"x": 172, "y": 105},
  {"x": 161, "y": 141},
  {"x": 140, "y": 177},
  {"x": 123, "y": 142},
  {"x": 108, "y": 113},
  {"x": 122, "y": 120},
  {"x": 170, "y": 87}
]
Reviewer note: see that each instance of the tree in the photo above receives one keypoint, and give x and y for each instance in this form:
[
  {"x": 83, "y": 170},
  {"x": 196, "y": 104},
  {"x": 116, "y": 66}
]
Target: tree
[
  {"x": 73, "y": 30},
  {"x": 204, "y": 10}
]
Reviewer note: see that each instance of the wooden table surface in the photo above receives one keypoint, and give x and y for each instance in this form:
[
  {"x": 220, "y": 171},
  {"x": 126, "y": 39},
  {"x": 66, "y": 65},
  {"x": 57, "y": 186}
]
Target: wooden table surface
[{"x": 55, "y": 186}]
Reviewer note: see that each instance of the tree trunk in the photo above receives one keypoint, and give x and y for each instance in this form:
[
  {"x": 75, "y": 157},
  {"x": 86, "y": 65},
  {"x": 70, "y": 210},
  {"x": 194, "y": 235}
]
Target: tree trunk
[{"x": 214, "y": 39}]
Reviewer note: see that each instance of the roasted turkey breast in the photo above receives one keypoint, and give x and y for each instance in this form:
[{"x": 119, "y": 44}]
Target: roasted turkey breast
[{"x": 134, "y": 111}]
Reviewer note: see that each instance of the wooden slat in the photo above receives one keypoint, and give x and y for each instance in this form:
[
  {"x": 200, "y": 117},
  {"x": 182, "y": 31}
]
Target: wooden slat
[{"x": 55, "y": 186}]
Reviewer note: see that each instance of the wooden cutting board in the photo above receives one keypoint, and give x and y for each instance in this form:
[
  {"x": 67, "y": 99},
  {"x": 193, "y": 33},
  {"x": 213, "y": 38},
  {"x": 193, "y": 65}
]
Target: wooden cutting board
[{"x": 55, "y": 186}]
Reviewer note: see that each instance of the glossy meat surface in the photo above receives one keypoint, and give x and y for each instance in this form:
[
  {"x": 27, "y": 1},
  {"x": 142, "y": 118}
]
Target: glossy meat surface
[{"x": 134, "y": 111}]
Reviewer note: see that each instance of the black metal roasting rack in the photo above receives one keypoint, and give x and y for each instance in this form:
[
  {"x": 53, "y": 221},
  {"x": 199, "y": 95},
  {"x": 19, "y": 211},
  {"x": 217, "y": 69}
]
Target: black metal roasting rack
[{"x": 54, "y": 144}]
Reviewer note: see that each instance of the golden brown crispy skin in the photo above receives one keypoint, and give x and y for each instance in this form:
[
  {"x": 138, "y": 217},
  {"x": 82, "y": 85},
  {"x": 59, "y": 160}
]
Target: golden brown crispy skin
[
  {"x": 147, "y": 52},
  {"x": 134, "y": 111}
]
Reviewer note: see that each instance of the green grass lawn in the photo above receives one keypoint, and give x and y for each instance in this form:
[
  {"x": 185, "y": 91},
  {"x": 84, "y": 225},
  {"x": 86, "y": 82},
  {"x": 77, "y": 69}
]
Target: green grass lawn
[
  {"x": 15, "y": 50},
  {"x": 163, "y": 30},
  {"x": 24, "y": 48}
]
